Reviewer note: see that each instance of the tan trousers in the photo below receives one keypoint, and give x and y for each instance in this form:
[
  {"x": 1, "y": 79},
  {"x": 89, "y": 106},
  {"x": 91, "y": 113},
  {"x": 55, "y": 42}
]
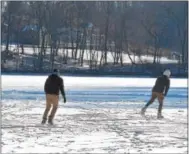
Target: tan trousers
[
  {"x": 51, "y": 100},
  {"x": 157, "y": 95},
  {"x": 160, "y": 98}
]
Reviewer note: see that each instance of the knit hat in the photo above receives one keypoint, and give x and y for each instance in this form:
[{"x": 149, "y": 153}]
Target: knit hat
[
  {"x": 55, "y": 71},
  {"x": 167, "y": 73}
]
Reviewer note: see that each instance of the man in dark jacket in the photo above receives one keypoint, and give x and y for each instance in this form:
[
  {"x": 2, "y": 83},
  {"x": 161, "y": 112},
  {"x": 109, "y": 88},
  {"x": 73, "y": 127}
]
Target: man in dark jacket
[
  {"x": 53, "y": 85},
  {"x": 159, "y": 91}
]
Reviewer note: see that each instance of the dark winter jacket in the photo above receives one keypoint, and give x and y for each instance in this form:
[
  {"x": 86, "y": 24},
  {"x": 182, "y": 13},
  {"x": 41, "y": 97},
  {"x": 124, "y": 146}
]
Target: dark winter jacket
[
  {"x": 54, "y": 84},
  {"x": 162, "y": 85}
]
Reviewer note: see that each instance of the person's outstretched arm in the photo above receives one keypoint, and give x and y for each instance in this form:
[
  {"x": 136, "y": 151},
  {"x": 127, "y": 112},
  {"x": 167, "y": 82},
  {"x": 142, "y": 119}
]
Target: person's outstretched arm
[
  {"x": 62, "y": 90},
  {"x": 167, "y": 88}
]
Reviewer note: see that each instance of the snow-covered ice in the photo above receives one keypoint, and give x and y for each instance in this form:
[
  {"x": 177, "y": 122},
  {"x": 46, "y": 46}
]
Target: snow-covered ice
[{"x": 101, "y": 116}]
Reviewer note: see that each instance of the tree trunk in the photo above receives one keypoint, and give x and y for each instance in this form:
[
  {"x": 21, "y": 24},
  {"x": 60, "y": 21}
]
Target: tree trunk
[
  {"x": 8, "y": 32},
  {"x": 106, "y": 38},
  {"x": 83, "y": 46},
  {"x": 41, "y": 52}
]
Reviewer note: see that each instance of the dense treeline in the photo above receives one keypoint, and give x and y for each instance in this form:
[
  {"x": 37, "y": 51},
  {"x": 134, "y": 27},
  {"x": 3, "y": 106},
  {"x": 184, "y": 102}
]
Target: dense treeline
[{"x": 135, "y": 28}]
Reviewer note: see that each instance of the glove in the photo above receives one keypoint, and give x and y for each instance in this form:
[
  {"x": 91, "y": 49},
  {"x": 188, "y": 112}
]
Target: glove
[
  {"x": 63, "y": 95},
  {"x": 64, "y": 99}
]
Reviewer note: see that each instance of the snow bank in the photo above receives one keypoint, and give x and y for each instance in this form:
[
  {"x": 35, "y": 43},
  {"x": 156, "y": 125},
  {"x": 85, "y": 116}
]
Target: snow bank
[{"x": 126, "y": 59}]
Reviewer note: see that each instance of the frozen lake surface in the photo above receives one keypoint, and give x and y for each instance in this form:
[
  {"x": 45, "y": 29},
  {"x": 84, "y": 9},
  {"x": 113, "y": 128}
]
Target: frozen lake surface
[{"x": 101, "y": 115}]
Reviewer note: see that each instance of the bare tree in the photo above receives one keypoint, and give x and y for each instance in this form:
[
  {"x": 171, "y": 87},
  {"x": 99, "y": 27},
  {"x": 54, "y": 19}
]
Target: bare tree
[
  {"x": 108, "y": 9},
  {"x": 181, "y": 24},
  {"x": 40, "y": 13},
  {"x": 10, "y": 13},
  {"x": 154, "y": 29}
]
